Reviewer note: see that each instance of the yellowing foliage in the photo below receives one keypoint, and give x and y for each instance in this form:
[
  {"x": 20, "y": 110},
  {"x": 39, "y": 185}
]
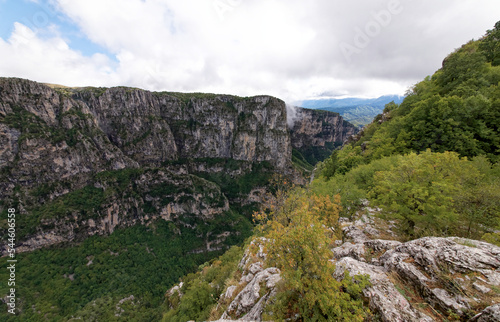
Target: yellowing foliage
[{"x": 301, "y": 229}]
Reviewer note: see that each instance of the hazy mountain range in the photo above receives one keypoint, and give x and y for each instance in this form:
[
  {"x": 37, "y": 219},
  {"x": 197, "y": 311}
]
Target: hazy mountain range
[{"x": 358, "y": 111}]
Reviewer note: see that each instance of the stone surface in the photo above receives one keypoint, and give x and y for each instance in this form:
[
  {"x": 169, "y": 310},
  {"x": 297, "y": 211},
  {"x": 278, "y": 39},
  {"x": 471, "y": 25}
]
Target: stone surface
[
  {"x": 249, "y": 297},
  {"x": 356, "y": 251},
  {"x": 383, "y": 296},
  {"x": 489, "y": 314},
  {"x": 55, "y": 141},
  {"x": 481, "y": 288},
  {"x": 229, "y": 292},
  {"x": 318, "y": 129},
  {"x": 9, "y": 138},
  {"x": 355, "y": 234},
  {"x": 437, "y": 270},
  {"x": 258, "y": 285},
  {"x": 422, "y": 262}
]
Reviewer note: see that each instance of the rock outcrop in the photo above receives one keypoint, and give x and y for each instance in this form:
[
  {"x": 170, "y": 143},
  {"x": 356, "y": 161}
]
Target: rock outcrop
[
  {"x": 427, "y": 279},
  {"x": 142, "y": 198},
  {"x": 491, "y": 313},
  {"x": 257, "y": 284},
  {"x": 384, "y": 297},
  {"x": 155, "y": 127},
  {"x": 80, "y": 162},
  {"x": 65, "y": 133}
]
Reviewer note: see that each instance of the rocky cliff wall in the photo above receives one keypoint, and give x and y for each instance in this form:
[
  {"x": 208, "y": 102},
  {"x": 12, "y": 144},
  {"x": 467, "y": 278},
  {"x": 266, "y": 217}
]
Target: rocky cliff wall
[
  {"x": 57, "y": 143},
  {"x": 155, "y": 127},
  {"x": 427, "y": 279},
  {"x": 315, "y": 133},
  {"x": 49, "y": 135},
  {"x": 79, "y": 162}
]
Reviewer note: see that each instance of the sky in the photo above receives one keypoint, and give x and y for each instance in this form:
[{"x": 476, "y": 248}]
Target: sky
[{"x": 291, "y": 49}]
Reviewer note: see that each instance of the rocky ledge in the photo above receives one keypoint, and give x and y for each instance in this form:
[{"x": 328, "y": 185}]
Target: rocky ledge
[
  {"x": 427, "y": 279},
  {"x": 257, "y": 285}
]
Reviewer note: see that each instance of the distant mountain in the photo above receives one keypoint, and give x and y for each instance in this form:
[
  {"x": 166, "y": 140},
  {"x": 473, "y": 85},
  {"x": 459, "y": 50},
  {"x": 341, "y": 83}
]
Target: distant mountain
[{"x": 358, "y": 111}]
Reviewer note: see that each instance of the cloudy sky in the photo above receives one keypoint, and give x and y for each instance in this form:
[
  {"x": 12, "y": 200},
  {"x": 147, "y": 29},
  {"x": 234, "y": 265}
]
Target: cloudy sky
[{"x": 292, "y": 49}]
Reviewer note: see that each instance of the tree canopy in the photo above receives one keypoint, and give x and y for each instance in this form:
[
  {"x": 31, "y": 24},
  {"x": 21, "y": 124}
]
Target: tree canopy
[{"x": 457, "y": 109}]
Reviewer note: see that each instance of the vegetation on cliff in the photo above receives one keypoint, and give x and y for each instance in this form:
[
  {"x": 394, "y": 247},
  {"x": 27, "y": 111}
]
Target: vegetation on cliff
[
  {"x": 432, "y": 166},
  {"x": 296, "y": 230},
  {"x": 457, "y": 109},
  {"x": 432, "y": 162},
  {"x": 431, "y": 194},
  {"x": 301, "y": 228}
]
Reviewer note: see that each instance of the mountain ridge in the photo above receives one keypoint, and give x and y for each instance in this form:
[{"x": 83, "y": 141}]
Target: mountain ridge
[{"x": 358, "y": 111}]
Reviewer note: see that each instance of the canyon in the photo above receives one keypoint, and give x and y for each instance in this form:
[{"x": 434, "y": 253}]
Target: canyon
[{"x": 78, "y": 162}]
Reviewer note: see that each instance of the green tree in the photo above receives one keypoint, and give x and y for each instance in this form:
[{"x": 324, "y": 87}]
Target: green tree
[
  {"x": 490, "y": 45},
  {"x": 300, "y": 238},
  {"x": 439, "y": 194},
  {"x": 418, "y": 191},
  {"x": 341, "y": 161}
]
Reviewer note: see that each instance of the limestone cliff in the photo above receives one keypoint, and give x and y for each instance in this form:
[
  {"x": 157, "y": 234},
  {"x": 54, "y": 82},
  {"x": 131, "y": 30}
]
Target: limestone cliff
[
  {"x": 155, "y": 127},
  {"x": 315, "y": 133},
  {"x": 114, "y": 146}
]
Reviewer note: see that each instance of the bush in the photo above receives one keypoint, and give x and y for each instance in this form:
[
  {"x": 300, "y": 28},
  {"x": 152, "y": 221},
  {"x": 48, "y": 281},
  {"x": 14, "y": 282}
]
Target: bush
[{"x": 301, "y": 230}]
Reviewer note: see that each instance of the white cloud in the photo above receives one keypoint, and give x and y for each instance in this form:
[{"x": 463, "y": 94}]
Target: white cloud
[
  {"x": 26, "y": 55},
  {"x": 290, "y": 49}
]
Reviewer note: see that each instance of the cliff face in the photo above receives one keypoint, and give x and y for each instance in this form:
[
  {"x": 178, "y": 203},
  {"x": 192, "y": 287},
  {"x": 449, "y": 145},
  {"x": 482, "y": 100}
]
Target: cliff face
[
  {"x": 155, "y": 127},
  {"x": 79, "y": 162},
  {"x": 115, "y": 199},
  {"x": 48, "y": 135},
  {"x": 315, "y": 133},
  {"x": 150, "y": 128}
]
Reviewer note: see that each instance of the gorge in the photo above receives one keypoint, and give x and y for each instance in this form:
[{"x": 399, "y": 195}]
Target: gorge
[{"x": 87, "y": 162}]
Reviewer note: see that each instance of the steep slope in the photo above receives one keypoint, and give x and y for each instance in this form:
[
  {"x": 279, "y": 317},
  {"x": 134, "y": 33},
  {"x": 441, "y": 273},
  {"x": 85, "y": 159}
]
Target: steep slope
[
  {"x": 179, "y": 126},
  {"x": 428, "y": 279},
  {"x": 100, "y": 175},
  {"x": 457, "y": 109},
  {"x": 56, "y": 142},
  {"x": 315, "y": 134},
  {"x": 427, "y": 246}
]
